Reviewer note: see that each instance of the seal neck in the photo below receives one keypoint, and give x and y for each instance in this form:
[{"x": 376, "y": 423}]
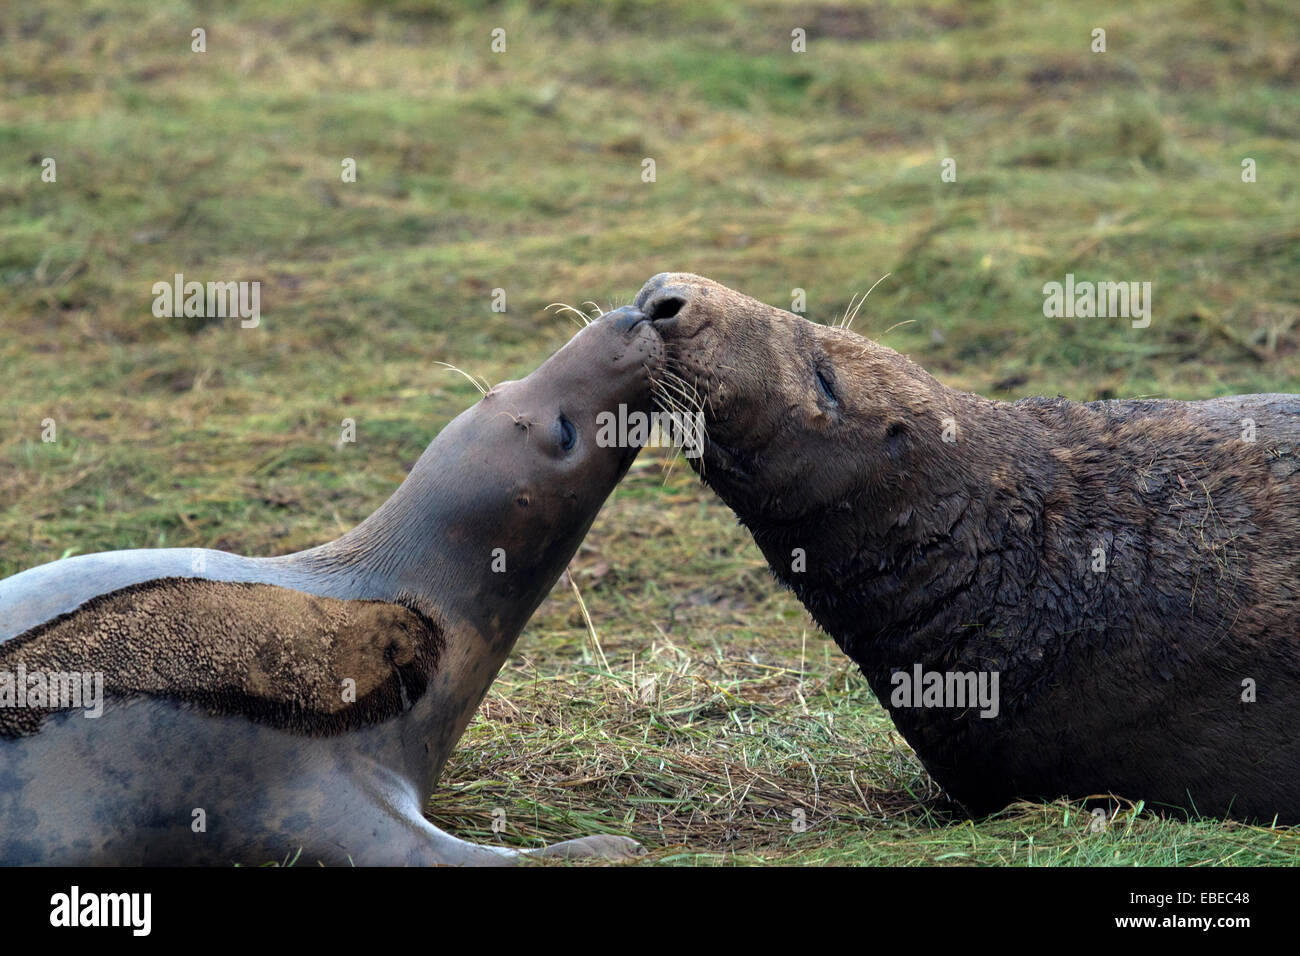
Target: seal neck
[
  {"x": 421, "y": 549},
  {"x": 893, "y": 569},
  {"x": 424, "y": 547}
]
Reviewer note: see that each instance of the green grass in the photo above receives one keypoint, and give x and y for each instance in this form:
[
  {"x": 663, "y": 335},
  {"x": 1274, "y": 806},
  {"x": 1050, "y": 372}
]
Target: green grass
[{"x": 723, "y": 711}]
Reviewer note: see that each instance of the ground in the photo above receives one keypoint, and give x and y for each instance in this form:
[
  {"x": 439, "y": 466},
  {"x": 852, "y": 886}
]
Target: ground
[{"x": 702, "y": 710}]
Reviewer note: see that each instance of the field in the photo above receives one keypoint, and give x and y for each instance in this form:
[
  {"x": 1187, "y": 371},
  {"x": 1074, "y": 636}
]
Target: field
[{"x": 701, "y": 710}]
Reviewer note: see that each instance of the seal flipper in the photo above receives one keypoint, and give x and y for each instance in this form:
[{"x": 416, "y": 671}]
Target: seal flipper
[
  {"x": 414, "y": 841},
  {"x": 397, "y": 834}
]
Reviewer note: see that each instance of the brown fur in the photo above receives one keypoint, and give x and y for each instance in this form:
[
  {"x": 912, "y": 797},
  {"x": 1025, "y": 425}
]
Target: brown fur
[
  {"x": 977, "y": 555},
  {"x": 276, "y": 655}
]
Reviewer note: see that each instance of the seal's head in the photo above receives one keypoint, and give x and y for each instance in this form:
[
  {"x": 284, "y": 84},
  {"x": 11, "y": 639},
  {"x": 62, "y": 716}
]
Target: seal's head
[
  {"x": 799, "y": 417},
  {"x": 499, "y": 502},
  {"x": 544, "y": 434}
]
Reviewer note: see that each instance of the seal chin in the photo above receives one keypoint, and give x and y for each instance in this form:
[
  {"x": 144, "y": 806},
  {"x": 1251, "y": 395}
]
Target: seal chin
[
  {"x": 635, "y": 345},
  {"x": 723, "y": 468}
]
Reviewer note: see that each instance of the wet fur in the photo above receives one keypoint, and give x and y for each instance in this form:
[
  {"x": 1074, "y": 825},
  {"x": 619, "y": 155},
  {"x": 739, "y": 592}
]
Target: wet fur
[{"x": 977, "y": 555}]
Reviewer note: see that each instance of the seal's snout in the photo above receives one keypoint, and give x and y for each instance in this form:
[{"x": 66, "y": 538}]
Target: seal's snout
[
  {"x": 632, "y": 340},
  {"x": 664, "y": 307},
  {"x": 625, "y": 319},
  {"x": 655, "y": 284},
  {"x": 661, "y": 299},
  {"x": 680, "y": 305}
]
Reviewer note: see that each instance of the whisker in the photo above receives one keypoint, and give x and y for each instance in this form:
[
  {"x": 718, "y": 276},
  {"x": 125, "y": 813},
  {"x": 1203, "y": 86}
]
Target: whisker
[
  {"x": 681, "y": 399},
  {"x": 897, "y": 325},
  {"x": 848, "y": 326},
  {"x": 560, "y": 307},
  {"x": 665, "y": 400},
  {"x": 845, "y": 317},
  {"x": 677, "y": 378},
  {"x": 483, "y": 387},
  {"x": 689, "y": 393},
  {"x": 681, "y": 384}
]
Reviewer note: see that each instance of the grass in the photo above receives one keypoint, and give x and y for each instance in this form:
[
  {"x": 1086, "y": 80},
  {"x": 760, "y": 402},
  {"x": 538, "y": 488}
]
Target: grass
[{"x": 723, "y": 711}]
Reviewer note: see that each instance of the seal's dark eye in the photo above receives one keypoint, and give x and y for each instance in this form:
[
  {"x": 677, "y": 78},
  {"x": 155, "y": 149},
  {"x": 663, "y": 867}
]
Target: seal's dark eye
[
  {"x": 568, "y": 434},
  {"x": 823, "y": 383}
]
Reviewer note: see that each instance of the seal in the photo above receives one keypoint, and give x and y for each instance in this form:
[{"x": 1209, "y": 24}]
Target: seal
[
  {"x": 249, "y": 710},
  {"x": 1050, "y": 598}
]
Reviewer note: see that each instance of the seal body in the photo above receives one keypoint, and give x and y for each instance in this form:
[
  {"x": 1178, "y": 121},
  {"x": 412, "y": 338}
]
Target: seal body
[
  {"x": 255, "y": 710},
  {"x": 1122, "y": 576}
]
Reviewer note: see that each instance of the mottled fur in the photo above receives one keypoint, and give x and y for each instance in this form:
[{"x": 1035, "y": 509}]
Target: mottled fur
[{"x": 273, "y": 654}]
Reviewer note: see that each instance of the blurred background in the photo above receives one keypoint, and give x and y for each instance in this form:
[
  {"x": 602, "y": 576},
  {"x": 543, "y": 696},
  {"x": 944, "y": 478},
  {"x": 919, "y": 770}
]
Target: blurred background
[{"x": 723, "y": 710}]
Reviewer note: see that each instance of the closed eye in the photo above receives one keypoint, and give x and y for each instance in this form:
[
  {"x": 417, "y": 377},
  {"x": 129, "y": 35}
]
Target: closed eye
[
  {"x": 568, "y": 434},
  {"x": 823, "y": 383}
]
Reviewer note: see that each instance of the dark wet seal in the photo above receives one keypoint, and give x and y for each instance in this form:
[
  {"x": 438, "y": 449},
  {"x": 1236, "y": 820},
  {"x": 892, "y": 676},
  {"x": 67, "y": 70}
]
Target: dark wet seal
[{"x": 1129, "y": 570}]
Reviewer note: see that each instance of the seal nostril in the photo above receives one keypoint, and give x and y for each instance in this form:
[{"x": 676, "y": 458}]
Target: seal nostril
[{"x": 665, "y": 308}]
